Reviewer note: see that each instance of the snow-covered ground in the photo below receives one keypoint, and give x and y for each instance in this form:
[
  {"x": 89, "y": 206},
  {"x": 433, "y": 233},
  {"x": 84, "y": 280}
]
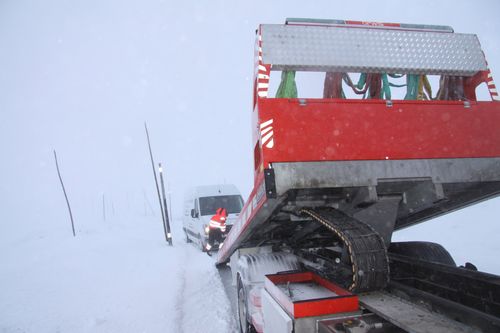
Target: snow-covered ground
[
  {"x": 119, "y": 275},
  {"x": 115, "y": 276}
]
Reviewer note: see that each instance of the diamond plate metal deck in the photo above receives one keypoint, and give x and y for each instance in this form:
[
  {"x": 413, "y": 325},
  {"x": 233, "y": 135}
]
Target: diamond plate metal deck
[
  {"x": 315, "y": 48},
  {"x": 409, "y": 316}
]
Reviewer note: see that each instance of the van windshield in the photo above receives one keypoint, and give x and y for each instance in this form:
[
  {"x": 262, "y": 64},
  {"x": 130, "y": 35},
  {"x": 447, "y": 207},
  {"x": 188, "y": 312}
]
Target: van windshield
[{"x": 232, "y": 203}]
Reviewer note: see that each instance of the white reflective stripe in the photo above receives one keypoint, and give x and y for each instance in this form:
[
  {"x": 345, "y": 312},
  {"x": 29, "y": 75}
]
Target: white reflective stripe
[
  {"x": 496, "y": 98},
  {"x": 263, "y": 76},
  {"x": 270, "y": 144},
  {"x": 208, "y": 247},
  {"x": 266, "y": 123},
  {"x": 262, "y": 85},
  {"x": 262, "y": 93},
  {"x": 263, "y": 68},
  {"x": 489, "y": 75},
  {"x": 265, "y": 130},
  {"x": 214, "y": 223},
  {"x": 267, "y": 137},
  {"x": 493, "y": 90}
]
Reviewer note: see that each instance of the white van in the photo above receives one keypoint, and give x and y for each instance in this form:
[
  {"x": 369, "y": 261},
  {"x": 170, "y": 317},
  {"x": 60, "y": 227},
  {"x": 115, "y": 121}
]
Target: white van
[{"x": 200, "y": 204}]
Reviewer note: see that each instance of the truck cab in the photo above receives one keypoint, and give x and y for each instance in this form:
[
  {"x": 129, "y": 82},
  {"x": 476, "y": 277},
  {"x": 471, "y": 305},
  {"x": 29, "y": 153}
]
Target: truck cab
[{"x": 200, "y": 204}]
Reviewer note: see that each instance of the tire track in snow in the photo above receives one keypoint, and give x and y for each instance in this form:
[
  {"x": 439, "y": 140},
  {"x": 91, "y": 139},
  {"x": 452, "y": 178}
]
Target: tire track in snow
[
  {"x": 201, "y": 302},
  {"x": 179, "y": 300}
]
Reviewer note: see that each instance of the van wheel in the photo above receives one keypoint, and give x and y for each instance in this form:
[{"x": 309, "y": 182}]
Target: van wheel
[{"x": 245, "y": 326}]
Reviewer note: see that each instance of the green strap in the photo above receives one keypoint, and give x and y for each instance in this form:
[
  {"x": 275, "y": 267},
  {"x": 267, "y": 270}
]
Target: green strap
[
  {"x": 412, "y": 86},
  {"x": 397, "y": 85},
  {"x": 288, "y": 87},
  {"x": 361, "y": 81},
  {"x": 386, "y": 87}
]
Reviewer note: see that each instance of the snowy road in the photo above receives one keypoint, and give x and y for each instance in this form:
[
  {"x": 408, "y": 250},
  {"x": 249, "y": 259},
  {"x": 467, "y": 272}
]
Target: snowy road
[
  {"x": 120, "y": 276},
  {"x": 202, "y": 304},
  {"x": 225, "y": 276},
  {"x": 115, "y": 276}
]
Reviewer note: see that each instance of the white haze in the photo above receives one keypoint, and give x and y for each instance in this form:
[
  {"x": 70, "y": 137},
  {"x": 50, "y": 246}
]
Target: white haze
[{"x": 82, "y": 77}]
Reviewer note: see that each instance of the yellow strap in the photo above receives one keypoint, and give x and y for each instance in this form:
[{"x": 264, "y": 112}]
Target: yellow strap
[
  {"x": 427, "y": 86},
  {"x": 424, "y": 85}
]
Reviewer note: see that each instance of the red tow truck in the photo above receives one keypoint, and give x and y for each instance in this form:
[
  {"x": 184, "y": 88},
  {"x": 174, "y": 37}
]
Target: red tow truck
[{"x": 335, "y": 176}]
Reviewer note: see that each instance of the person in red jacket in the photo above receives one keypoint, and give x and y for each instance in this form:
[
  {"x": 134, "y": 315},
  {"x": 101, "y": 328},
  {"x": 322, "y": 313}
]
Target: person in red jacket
[{"x": 216, "y": 229}]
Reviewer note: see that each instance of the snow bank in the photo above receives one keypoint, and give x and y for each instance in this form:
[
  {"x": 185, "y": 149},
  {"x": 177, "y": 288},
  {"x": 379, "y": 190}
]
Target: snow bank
[
  {"x": 201, "y": 301},
  {"x": 114, "y": 276}
]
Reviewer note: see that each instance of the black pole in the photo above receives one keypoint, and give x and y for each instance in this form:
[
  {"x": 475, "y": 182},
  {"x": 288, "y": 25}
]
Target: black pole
[
  {"x": 156, "y": 183},
  {"x": 65, "y": 195},
  {"x": 167, "y": 222}
]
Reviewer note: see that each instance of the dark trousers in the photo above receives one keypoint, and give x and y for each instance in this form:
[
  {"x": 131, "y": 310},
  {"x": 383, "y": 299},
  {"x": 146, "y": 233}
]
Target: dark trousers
[{"x": 215, "y": 235}]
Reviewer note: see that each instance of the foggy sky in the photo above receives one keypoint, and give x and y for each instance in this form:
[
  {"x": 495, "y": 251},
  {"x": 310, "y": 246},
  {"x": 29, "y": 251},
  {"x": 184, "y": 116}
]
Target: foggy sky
[{"x": 82, "y": 77}]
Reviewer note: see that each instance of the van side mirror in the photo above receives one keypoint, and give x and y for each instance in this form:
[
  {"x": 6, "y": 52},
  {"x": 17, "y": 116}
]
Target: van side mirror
[{"x": 194, "y": 214}]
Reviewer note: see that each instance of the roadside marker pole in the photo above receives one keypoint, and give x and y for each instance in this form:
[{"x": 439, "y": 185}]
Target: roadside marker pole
[
  {"x": 156, "y": 182},
  {"x": 65, "y": 195},
  {"x": 167, "y": 222}
]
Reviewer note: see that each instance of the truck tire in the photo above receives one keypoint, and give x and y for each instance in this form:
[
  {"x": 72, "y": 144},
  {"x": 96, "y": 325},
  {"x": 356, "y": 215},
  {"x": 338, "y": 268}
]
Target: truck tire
[
  {"x": 245, "y": 326},
  {"x": 425, "y": 251}
]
